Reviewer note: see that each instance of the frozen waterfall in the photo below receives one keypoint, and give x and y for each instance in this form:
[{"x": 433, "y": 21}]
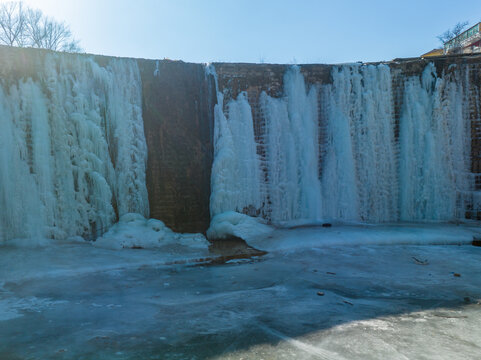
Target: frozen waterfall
[
  {"x": 434, "y": 148},
  {"x": 359, "y": 167},
  {"x": 72, "y": 149},
  {"x": 291, "y": 142},
  {"x": 336, "y": 151},
  {"x": 236, "y": 184}
]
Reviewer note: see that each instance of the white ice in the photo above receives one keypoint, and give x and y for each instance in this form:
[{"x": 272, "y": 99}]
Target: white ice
[
  {"x": 434, "y": 148},
  {"x": 315, "y": 300},
  {"x": 359, "y": 172},
  {"x": 293, "y": 189},
  {"x": 72, "y": 149},
  {"x": 232, "y": 223},
  {"x": 331, "y": 154},
  {"x": 236, "y": 183},
  {"x": 134, "y": 231}
]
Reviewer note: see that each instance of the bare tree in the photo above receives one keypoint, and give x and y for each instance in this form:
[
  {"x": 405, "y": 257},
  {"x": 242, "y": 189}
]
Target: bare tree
[
  {"x": 22, "y": 26},
  {"x": 46, "y": 33},
  {"x": 12, "y": 24},
  {"x": 453, "y": 34},
  {"x": 34, "y": 29}
]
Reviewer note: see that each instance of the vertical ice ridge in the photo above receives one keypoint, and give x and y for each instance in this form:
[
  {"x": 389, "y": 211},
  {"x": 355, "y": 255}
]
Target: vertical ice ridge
[
  {"x": 359, "y": 168},
  {"x": 292, "y": 151},
  {"x": 434, "y": 145},
  {"x": 72, "y": 149},
  {"x": 236, "y": 170},
  {"x": 366, "y": 173}
]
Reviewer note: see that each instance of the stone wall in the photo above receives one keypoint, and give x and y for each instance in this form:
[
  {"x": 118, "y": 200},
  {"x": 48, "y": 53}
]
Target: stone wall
[{"x": 178, "y": 121}]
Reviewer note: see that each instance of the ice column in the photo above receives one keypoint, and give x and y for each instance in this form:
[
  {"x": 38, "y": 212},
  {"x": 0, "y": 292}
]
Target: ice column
[
  {"x": 72, "y": 149},
  {"x": 236, "y": 178},
  {"x": 434, "y": 144},
  {"x": 359, "y": 173},
  {"x": 292, "y": 151}
]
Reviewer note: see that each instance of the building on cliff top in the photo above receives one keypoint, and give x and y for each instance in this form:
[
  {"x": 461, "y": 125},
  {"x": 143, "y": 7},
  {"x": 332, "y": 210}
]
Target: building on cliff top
[{"x": 468, "y": 42}]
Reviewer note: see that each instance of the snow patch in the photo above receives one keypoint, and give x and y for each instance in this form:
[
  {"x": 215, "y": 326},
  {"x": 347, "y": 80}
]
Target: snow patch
[
  {"x": 135, "y": 231},
  {"x": 232, "y": 223}
]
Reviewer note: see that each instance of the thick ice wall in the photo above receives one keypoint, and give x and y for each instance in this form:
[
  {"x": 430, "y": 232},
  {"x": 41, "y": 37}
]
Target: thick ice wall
[
  {"x": 359, "y": 169},
  {"x": 236, "y": 167},
  {"x": 282, "y": 191},
  {"x": 337, "y": 151},
  {"x": 72, "y": 149},
  {"x": 293, "y": 190},
  {"x": 434, "y": 147}
]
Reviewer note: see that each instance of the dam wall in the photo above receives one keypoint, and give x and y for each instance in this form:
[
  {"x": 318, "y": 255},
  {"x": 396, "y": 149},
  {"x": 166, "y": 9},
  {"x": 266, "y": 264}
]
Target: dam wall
[{"x": 85, "y": 139}]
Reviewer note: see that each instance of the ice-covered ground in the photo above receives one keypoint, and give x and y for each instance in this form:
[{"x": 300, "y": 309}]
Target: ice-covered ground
[{"x": 309, "y": 298}]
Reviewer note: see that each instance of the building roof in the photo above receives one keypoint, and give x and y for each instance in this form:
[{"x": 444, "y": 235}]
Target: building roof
[{"x": 433, "y": 52}]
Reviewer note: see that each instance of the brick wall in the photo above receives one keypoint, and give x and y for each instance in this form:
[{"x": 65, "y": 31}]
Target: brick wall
[{"x": 178, "y": 122}]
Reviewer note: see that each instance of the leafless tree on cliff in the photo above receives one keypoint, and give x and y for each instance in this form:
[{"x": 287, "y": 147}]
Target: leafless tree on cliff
[
  {"x": 46, "y": 33},
  {"x": 23, "y": 26},
  {"x": 452, "y": 34},
  {"x": 12, "y": 24}
]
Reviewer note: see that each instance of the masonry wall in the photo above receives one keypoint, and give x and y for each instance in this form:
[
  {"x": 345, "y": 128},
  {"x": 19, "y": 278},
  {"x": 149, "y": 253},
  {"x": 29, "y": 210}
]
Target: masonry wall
[{"x": 178, "y": 102}]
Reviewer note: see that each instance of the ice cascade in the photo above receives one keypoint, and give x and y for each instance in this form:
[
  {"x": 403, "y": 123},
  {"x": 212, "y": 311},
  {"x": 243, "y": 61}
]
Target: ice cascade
[
  {"x": 359, "y": 173},
  {"x": 293, "y": 190},
  {"x": 72, "y": 149},
  {"x": 434, "y": 148},
  {"x": 236, "y": 183},
  {"x": 337, "y": 151}
]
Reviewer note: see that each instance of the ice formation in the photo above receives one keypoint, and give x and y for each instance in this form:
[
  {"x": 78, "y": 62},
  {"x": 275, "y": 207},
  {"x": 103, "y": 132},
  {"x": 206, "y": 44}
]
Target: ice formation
[
  {"x": 134, "y": 231},
  {"x": 335, "y": 152},
  {"x": 233, "y": 223},
  {"x": 72, "y": 149},
  {"x": 236, "y": 184},
  {"x": 434, "y": 148},
  {"x": 359, "y": 167},
  {"x": 291, "y": 142}
]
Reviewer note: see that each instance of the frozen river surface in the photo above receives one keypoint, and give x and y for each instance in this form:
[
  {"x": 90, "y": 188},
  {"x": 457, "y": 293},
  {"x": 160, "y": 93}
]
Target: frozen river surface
[{"x": 334, "y": 301}]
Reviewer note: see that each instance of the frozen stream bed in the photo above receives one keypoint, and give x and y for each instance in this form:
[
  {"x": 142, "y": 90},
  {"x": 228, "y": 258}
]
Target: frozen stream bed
[{"x": 313, "y": 300}]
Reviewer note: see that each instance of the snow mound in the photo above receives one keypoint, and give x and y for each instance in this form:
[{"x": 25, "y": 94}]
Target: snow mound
[
  {"x": 232, "y": 223},
  {"x": 135, "y": 231}
]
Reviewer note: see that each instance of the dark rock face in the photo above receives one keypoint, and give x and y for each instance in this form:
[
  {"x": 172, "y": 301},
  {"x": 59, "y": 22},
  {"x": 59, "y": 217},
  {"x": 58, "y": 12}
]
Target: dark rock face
[{"x": 178, "y": 123}]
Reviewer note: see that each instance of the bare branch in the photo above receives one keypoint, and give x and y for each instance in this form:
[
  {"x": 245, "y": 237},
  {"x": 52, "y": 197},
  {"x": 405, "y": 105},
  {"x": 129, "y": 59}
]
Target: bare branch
[
  {"x": 459, "y": 28},
  {"x": 12, "y": 23},
  {"x": 22, "y": 26},
  {"x": 452, "y": 33}
]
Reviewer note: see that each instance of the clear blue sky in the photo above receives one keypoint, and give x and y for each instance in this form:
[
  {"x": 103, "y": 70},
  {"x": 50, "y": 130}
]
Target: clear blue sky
[{"x": 278, "y": 31}]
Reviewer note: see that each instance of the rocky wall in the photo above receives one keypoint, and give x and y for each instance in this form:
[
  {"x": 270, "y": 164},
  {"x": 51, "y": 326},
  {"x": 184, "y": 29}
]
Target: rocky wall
[{"x": 178, "y": 102}]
